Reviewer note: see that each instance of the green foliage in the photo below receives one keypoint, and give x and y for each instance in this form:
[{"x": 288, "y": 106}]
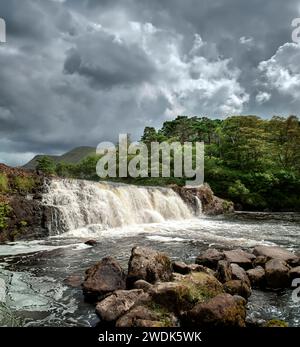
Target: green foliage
[
  {"x": 4, "y": 187},
  {"x": 46, "y": 165},
  {"x": 276, "y": 323},
  {"x": 24, "y": 184},
  {"x": 252, "y": 161},
  {"x": 5, "y": 210}
]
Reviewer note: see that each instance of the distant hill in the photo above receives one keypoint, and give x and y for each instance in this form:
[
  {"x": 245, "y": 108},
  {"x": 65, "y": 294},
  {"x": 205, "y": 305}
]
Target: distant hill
[{"x": 74, "y": 156}]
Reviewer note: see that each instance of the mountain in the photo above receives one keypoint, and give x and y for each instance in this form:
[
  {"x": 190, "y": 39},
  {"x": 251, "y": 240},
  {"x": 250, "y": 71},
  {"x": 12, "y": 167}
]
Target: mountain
[{"x": 74, "y": 156}]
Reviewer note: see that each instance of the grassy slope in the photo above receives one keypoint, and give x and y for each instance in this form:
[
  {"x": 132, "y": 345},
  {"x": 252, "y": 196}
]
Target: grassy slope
[{"x": 72, "y": 157}]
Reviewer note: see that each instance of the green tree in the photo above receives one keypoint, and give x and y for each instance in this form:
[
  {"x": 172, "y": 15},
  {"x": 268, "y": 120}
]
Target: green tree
[{"x": 46, "y": 165}]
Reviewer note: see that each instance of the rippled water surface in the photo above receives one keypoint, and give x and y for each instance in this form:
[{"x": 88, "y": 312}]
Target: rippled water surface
[{"x": 34, "y": 272}]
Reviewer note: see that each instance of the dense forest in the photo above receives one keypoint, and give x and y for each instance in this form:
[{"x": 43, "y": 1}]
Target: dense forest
[{"x": 252, "y": 161}]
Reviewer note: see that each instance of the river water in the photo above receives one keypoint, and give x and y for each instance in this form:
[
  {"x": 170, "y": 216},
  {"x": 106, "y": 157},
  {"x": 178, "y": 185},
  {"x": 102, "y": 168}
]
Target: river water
[{"x": 34, "y": 272}]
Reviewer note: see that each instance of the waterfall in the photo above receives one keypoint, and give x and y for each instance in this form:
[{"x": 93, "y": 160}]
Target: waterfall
[{"x": 73, "y": 204}]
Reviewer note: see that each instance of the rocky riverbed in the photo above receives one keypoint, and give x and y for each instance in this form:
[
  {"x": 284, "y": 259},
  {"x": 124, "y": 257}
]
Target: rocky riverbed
[{"x": 212, "y": 292}]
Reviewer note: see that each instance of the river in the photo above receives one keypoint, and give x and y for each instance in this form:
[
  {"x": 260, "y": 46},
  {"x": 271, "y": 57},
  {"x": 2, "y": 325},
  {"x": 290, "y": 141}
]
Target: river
[{"x": 34, "y": 272}]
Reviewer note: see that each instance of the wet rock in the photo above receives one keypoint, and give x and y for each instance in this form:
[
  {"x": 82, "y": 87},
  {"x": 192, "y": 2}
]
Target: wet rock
[
  {"x": 186, "y": 291},
  {"x": 211, "y": 204},
  {"x": 240, "y": 258},
  {"x": 118, "y": 303},
  {"x": 91, "y": 242},
  {"x": 277, "y": 274},
  {"x": 224, "y": 272},
  {"x": 237, "y": 287},
  {"x": 141, "y": 284},
  {"x": 257, "y": 277},
  {"x": 173, "y": 295},
  {"x": 224, "y": 310},
  {"x": 294, "y": 273},
  {"x": 260, "y": 261},
  {"x": 184, "y": 269},
  {"x": 148, "y": 265},
  {"x": 103, "y": 278},
  {"x": 275, "y": 253},
  {"x": 238, "y": 273},
  {"x": 210, "y": 258},
  {"x": 143, "y": 316},
  {"x": 134, "y": 316},
  {"x": 74, "y": 281},
  {"x": 181, "y": 267}
]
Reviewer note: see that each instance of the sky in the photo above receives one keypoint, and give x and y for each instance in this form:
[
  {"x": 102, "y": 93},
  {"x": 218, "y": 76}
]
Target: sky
[{"x": 79, "y": 72}]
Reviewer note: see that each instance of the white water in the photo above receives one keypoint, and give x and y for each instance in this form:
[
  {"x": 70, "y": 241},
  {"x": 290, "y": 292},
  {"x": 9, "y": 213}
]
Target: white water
[{"x": 75, "y": 204}]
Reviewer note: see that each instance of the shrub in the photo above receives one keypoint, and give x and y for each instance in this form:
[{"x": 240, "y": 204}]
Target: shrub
[
  {"x": 24, "y": 184},
  {"x": 5, "y": 210},
  {"x": 3, "y": 183}
]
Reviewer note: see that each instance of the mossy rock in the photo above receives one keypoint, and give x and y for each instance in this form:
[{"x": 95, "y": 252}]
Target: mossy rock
[
  {"x": 185, "y": 291},
  {"x": 201, "y": 286},
  {"x": 276, "y": 323}
]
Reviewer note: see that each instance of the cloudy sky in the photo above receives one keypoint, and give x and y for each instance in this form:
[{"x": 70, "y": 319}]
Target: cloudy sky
[{"x": 77, "y": 72}]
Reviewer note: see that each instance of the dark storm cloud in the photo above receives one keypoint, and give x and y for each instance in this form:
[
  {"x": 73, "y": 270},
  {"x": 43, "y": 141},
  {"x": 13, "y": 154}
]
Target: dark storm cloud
[
  {"x": 108, "y": 63},
  {"x": 77, "y": 72}
]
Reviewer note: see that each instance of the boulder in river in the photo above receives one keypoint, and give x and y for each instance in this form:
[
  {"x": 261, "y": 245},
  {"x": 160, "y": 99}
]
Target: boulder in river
[
  {"x": 275, "y": 253},
  {"x": 186, "y": 291},
  {"x": 224, "y": 272},
  {"x": 277, "y": 274},
  {"x": 142, "y": 284},
  {"x": 257, "y": 277},
  {"x": 224, "y": 310},
  {"x": 260, "y": 261},
  {"x": 118, "y": 303},
  {"x": 210, "y": 258},
  {"x": 103, "y": 278},
  {"x": 237, "y": 287},
  {"x": 148, "y": 265},
  {"x": 238, "y": 273},
  {"x": 91, "y": 242},
  {"x": 240, "y": 258},
  {"x": 147, "y": 316},
  {"x": 184, "y": 269}
]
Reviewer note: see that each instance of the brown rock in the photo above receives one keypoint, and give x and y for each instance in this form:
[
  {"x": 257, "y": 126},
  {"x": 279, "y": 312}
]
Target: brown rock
[
  {"x": 257, "y": 276},
  {"x": 239, "y": 257},
  {"x": 91, "y": 242},
  {"x": 260, "y": 261},
  {"x": 103, "y": 278},
  {"x": 117, "y": 304},
  {"x": 238, "y": 273},
  {"x": 224, "y": 310},
  {"x": 275, "y": 253},
  {"x": 148, "y": 265},
  {"x": 184, "y": 269},
  {"x": 186, "y": 291},
  {"x": 132, "y": 318},
  {"x": 224, "y": 272},
  {"x": 141, "y": 284},
  {"x": 143, "y": 316},
  {"x": 277, "y": 274},
  {"x": 210, "y": 258},
  {"x": 237, "y": 287}
]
